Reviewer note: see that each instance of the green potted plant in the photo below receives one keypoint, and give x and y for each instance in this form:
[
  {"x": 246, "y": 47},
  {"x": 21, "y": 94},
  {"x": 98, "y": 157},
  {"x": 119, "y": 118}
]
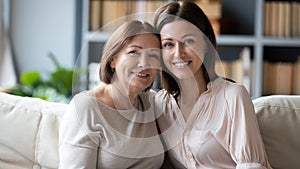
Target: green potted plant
[{"x": 57, "y": 88}]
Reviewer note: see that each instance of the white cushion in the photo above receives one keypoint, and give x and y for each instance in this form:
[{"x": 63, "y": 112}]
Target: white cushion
[
  {"x": 29, "y": 132},
  {"x": 279, "y": 121}
]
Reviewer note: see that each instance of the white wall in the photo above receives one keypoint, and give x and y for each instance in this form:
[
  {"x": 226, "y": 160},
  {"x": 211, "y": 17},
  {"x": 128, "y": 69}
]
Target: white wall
[{"x": 42, "y": 26}]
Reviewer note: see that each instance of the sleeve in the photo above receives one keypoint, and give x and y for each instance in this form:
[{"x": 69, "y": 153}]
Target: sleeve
[
  {"x": 246, "y": 144},
  {"x": 77, "y": 150}
]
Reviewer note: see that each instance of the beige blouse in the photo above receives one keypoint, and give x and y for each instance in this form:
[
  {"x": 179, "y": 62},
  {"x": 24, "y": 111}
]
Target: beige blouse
[
  {"x": 221, "y": 132},
  {"x": 93, "y": 135}
]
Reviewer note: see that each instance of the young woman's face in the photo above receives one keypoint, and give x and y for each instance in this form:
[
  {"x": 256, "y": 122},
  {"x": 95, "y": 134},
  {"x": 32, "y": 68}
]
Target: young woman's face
[
  {"x": 137, "y": 64},
  {"x": 183, "y": 48}
]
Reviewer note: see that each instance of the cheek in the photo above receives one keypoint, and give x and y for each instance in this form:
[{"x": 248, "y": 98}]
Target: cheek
[
  {"x": 154, "y": 63},
  {"x": 127, "y": 62},
  {"x": 198, "y": 53},
  {"x": 154, "y": 72},
  {"x": 166, "y": 56}
]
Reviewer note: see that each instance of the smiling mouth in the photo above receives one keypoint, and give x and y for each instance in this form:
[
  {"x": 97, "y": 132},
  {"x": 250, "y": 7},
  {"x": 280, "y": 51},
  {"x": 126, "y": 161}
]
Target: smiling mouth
[
  {"x": 181, "y": 64},
  {"x": 139, "y": 74}
]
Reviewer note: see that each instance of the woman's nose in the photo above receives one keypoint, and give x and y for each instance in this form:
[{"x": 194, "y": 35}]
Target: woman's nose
[
  {"x": 143, "y": 61},
  {"x": 179, "y": 50}
]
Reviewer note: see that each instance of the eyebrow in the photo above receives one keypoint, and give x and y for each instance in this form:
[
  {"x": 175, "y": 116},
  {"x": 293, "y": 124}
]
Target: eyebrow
[
  {"x": 188, "y": 35},
  {"x": 184, "y": 36},
  {"x": 166, "y": 39},
  {"x": 136, "y": 46}
]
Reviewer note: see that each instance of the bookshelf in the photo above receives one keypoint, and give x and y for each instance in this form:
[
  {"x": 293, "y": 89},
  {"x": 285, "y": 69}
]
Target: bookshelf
[{"x": 242, "y": 26}]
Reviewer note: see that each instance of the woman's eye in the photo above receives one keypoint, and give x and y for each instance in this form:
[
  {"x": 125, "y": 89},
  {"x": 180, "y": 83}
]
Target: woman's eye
[
  {"x": 156, "y": 56},
  {"x": 188, "y": 42},
  {"x": 133, "y": 52},
  {"x": 168, "y": 44}
]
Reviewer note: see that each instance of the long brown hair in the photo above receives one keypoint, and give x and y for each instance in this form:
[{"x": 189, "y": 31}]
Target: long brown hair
[{"x": 191, "y": 12}]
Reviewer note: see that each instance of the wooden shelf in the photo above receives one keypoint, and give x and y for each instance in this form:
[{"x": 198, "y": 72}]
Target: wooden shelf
[{"x": 249, "y": 25}]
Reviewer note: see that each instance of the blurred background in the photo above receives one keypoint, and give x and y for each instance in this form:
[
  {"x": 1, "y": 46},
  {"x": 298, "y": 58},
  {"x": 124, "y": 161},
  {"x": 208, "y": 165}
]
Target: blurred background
[{"x": 44, "y": 41}]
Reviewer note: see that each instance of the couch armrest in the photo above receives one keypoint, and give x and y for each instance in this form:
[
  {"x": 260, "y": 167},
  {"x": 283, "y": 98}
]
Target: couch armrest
[
  {"x": 29, "y": 132},
  {"x": 279, "y": 121}
]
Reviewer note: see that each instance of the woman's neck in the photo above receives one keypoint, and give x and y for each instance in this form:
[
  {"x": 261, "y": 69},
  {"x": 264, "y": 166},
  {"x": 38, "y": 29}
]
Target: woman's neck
[
  {"x": 123, "y": 99},
  {"x": 115, "y": 97},
  {"x": 191, "y": 89}
]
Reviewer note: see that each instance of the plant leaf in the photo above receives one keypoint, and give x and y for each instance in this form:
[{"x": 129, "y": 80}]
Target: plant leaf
[
  {"x": 61, "y": 79},
  {"x": 30, "y": 78},
  {"x": 54, "y": 60}
]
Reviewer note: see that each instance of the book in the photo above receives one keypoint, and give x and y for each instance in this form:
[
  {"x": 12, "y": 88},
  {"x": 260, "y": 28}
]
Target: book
[
  {"x": 281, "y": 18},
  {"x": 114, "y": 13},
  {"x": 283, "y": 78},
  {"x": 277, "y": 78},
  {"x": 237, "y": 70},
  {"x": 222, "y": 68},
  {"x": 287, "y": 19},
  {"x": 268, "y": 78},
  {"x": 296, "y": 77},
  {"x": 94, "y": 15},
  {"x": 274, "y": 18},
  {"x": 109, "y": 14},
  {"x": 213, "y": 10},
  {"x": 298, "y": 18},
  {"x": 294, "y": 19},
  {"x": 267, "y": 19}
]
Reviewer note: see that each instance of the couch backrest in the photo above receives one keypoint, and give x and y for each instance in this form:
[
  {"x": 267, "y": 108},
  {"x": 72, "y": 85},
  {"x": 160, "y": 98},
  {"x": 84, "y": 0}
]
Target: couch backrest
[
  {"x": 279, "y": 122},
  {"x": 29, "y": 132}
]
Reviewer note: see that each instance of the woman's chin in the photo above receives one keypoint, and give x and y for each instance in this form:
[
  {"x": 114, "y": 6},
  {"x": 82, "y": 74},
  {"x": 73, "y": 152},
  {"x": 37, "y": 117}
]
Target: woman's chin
[
  {"x": 184, "y": 75},
  {"x": 137, "y": 88}
]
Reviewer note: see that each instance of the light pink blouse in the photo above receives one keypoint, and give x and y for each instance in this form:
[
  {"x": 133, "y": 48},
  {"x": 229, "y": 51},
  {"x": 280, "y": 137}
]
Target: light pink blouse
[{"x": 221, "y": 132}]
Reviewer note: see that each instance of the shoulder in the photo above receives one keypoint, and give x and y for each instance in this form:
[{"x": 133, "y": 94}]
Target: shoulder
[
  {"x": 83, "y": 98},
  {"x": 238, "y": 99},
  {"x": 227, "y": 90},
  {"x": 236, "y": 90},
  {"x": 82, "y": 103}
]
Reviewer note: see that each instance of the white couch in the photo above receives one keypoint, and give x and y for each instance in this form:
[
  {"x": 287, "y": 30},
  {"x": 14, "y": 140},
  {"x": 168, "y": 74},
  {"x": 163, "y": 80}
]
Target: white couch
[
  {"x": 279, "y": 122},
  {"x": 29, "y": 131}
]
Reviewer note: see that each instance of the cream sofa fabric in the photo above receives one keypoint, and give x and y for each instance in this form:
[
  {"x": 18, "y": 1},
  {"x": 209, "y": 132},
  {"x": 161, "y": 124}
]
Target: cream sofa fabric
[
  {"x": 279, "y": 120},
  {"x": 29, "y": 132}
]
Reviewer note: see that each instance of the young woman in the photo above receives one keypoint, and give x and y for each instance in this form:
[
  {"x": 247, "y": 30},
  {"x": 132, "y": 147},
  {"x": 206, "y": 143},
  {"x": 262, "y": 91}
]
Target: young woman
[
  {"x": 113, "y": 125},
  {"x": 206, "y": 121}
]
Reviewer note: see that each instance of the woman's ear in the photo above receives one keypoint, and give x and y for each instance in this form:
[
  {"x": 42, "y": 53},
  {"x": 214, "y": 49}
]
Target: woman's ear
[{"x": 113, "y": 64}]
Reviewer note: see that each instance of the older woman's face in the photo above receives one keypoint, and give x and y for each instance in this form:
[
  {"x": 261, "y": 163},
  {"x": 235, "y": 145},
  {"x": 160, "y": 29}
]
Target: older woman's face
[
  {"x": 183, "y": 48},
  {"x": 137, "y": 64}
]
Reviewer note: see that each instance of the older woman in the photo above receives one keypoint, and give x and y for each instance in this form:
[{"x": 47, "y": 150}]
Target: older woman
[{"x": 113, "y": 125}]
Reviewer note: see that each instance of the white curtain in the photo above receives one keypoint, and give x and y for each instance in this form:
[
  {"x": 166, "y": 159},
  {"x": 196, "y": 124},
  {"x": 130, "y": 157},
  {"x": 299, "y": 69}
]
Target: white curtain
[{"x": 7, "y": 71}]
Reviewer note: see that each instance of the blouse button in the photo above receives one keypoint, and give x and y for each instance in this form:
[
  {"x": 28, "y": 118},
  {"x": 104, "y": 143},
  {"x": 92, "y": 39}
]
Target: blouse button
[
  {"x": 189, "y": 154},
  {"x": 190, "y": 158},
  {"x": 193, "y": 163}
]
